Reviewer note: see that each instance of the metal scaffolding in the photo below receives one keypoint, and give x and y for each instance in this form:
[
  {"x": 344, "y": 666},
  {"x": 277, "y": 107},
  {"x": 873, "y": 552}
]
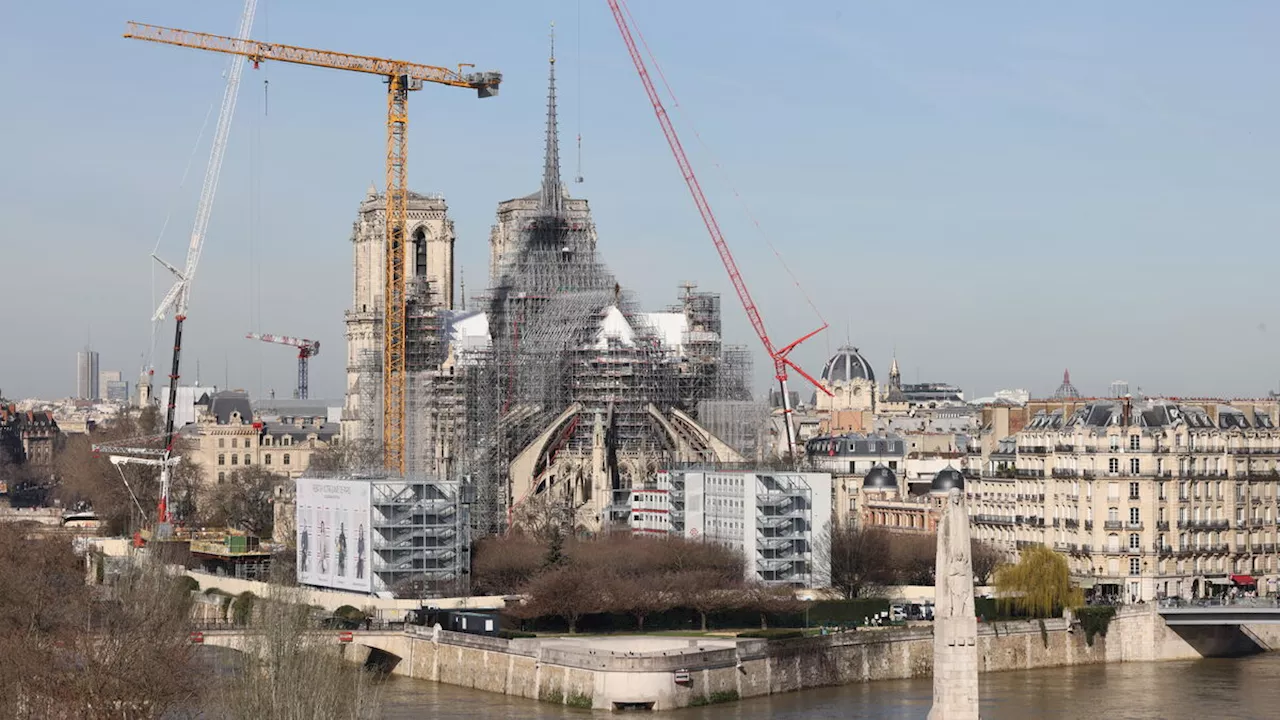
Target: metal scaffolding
[{"x": 564, "y": 341}]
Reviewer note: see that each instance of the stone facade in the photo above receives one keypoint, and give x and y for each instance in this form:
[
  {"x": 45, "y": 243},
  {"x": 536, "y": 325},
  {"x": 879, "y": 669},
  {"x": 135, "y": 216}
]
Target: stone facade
[
  {"x": 227, "y": 436},
  {"x": 29, "y": 438},
  {"x": 428, "y": 257},
  {"x": 607, "y": 679},
  {"x": 1147, "y": 498}
]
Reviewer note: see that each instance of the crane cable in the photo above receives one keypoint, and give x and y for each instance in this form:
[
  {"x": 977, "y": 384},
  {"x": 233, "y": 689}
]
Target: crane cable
[
  {"x": 724, "y": 174},
  {"x": 173, "y": 201}
]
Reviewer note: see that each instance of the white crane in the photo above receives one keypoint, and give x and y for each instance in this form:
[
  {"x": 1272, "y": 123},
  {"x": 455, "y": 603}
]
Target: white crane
[{"x": 177, "y": 299}]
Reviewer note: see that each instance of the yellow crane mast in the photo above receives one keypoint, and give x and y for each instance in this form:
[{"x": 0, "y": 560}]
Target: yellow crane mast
[{"x": 401, "y": 77}]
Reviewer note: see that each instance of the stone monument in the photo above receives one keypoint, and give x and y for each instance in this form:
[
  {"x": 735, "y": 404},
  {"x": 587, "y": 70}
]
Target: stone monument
[{"x": 955, "y": 629}]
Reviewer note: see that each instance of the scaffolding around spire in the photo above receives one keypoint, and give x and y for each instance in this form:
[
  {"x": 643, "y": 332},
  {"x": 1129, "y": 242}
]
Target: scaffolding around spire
[{"x": 551, "y": 200}]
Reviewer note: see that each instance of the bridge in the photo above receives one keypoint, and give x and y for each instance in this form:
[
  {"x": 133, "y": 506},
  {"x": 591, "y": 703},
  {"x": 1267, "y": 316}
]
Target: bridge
[
  {"x": 1253, "y": 611},
  {"x": 380, "y": 649}
]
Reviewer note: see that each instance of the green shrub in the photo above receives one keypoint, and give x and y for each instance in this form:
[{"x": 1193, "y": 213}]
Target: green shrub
[
  {"x": 772, "y": 634},
  {"x": 515, "y": 634},
  {"x": 578, "y": 700},
  {"x": 1095, "y": 619},
  {"x": 350, "y": 612},
  {"x": 187, "y": 583}
]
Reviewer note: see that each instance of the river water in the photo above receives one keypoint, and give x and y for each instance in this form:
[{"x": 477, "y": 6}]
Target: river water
[{"x": 1226, "y": 689}]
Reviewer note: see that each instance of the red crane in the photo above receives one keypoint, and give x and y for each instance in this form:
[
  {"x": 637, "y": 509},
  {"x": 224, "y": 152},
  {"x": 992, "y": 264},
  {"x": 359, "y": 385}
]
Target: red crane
[
  {"x": 779, "y": 355},
  {"x": 307, "y": 349}
]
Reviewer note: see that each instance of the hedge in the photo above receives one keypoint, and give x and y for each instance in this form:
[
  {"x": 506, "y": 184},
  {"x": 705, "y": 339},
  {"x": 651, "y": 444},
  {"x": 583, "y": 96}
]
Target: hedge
[{"x": 775, "y": 634}]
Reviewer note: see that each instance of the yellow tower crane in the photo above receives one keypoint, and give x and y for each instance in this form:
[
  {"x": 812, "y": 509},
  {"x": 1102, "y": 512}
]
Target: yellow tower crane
[{"x": 401, "y": 77}]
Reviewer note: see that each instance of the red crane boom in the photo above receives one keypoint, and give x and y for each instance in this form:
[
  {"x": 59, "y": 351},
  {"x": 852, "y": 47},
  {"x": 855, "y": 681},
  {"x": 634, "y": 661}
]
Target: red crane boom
[
  {"x": 778, "y": 355},
  {"x": 307, "y": 349}
]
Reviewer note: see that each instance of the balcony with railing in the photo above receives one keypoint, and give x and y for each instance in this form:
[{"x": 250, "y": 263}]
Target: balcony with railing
[
  {"x": 993, "y": 519},
  {"x": 1133, "y": 525},
  {"x": 1162, "y": 525},
  {"x": 1112, "y": 525}
]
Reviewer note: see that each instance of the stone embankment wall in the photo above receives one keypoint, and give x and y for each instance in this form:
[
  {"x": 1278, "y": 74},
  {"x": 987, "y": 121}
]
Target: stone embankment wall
[{"x": 604, "y": 679}]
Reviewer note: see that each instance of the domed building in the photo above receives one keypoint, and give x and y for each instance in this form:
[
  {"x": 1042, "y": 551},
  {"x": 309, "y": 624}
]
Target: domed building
[
  {"x": 852, "y": 384},
  {"x": 946, "y": 479}
]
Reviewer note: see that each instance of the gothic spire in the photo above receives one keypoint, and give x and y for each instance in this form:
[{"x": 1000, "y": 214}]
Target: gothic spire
[{"x": 552, "y": 197}]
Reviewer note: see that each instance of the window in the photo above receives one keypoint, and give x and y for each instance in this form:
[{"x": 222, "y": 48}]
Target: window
[
  {"x": 1113, "y": 465},
  {"x": 246, "y": 459},
  {"x": 233, "y": 442},
  {"x": 234, "y": 458},
  {"x": 222, "y": 476},
  {"x": 1133, "y": 490},
  {"x": 222, "y": 459},
  {"x": 1135, "y": 566},
  {"x": 266, "y": 459},
  {"x": 222, "y": 442},
  {"x": 286, "y": 459},
  {"x": 1135, "y": 442},
  {"x": 1113, "y": 514},
  {"x": 1115, "y": 443},
  {"x": 1135, "y": 541},
  {"x": 1135, "y": 466},
  {"x": 1135, "y": 516},
  {"x": 1160, "y": 468}
]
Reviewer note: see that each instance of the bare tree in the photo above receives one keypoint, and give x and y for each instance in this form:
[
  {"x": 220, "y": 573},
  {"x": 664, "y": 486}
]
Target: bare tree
[
  {"x": 244, "y": 500},
  {"x": 562, "y": 592},
  {"x": 639, "y": 595},
  {"x": 291, "y": 672},
  {"x": 705, "y": 592},
  {"x": 913, "y": 557},
  {"x": 71, "y": 651},
  {"x": 346, "y": 456},
  {"x": 986, "y": 559},
  {"x": 548, "y": 518},
  {"x": 769, "y": 599},
  {"x": 504, "y": 564},
  {"x": 859, "y": 557}
]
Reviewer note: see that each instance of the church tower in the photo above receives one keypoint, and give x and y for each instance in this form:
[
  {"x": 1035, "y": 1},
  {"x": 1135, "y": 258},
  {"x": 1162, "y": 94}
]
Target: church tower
[
  {"x": 516, "y": 215},
  {"x": 428, "y": 258}
]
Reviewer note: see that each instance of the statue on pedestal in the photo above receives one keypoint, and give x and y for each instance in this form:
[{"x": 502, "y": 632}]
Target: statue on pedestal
[{"x": 955, "y": 629}]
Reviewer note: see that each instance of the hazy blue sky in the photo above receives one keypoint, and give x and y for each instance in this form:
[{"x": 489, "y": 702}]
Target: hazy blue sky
[{"x": 998, "y": 190}]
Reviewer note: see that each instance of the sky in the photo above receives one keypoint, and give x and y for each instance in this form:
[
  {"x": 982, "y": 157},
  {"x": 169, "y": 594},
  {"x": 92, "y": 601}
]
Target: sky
[{"x": 993, "y": 191}]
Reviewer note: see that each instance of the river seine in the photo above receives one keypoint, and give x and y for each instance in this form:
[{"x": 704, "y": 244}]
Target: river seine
[{"x": 1226, "y": 689}]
